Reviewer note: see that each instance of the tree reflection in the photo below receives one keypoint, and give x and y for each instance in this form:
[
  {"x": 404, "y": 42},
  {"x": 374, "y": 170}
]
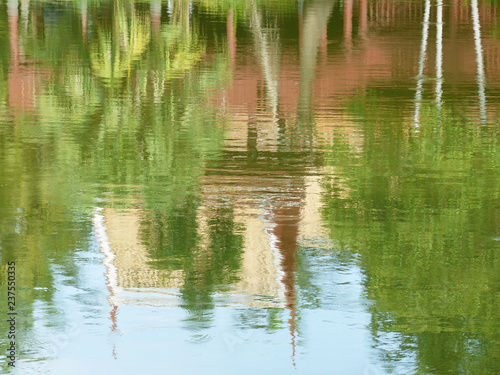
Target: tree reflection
[
  {"x": 422, "y": 217},
  {"x": 96, "y": 124},
  {"x": 104, "y": 101},
  {"x": 212, "y": 268},
  {"x": 316, "y": 15},
  {"x": 119, "y": 44}
]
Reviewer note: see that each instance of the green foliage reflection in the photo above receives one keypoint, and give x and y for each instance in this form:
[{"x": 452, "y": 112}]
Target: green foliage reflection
[{"x": 422, "y": 210}]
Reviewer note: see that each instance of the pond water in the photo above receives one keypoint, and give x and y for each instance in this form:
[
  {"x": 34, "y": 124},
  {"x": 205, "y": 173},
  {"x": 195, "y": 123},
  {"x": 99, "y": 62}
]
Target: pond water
[{"x": 242, "y": 187}]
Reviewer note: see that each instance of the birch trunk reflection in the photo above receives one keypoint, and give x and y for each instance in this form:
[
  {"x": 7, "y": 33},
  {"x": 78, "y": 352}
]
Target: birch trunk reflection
[
  {"x": 267, "y": 46},
  {"x": 479, "y": 60},
  {"x": 421, "y": 64},
  {"x": 316, "y": 15},
  {"x": 439, "y": 55}
]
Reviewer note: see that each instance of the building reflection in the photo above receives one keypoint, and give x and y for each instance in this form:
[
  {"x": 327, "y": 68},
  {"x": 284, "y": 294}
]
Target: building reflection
[
  {"x": 271, "y": 229},
  {"x": 274, "y": 218},
  {"x": 22, "y": 78},
  {"x": 264, "y": 186}
]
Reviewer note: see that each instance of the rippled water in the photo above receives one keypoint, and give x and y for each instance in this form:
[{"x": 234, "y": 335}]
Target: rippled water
[{"x": 246, "y": 187}]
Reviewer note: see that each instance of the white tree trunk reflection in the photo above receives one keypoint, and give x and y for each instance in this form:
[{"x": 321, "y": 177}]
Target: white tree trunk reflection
[
  {"x": 268, "y": 51},
  {"x": 438, "y": 89},
  {"x": 439, "y": 55},
  {"x": 479, "y": 60},
  {"x": 421, "y": 63}
]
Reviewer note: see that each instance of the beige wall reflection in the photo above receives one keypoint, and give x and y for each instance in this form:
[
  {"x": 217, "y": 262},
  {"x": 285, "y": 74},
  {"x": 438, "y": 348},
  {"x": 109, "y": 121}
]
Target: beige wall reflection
[
  {"x": 131, "y": 254},
  {"x": 128, "y": 272},
  {"x": 132, "y": 278}
]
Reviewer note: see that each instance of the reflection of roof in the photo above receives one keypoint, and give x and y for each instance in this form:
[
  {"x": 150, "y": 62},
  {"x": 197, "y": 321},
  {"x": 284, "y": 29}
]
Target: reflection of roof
[{"x": 21, "y": 77}]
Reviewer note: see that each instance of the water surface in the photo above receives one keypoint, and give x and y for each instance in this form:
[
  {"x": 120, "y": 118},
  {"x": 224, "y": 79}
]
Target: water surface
[{"x": 271, "y": 187}]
